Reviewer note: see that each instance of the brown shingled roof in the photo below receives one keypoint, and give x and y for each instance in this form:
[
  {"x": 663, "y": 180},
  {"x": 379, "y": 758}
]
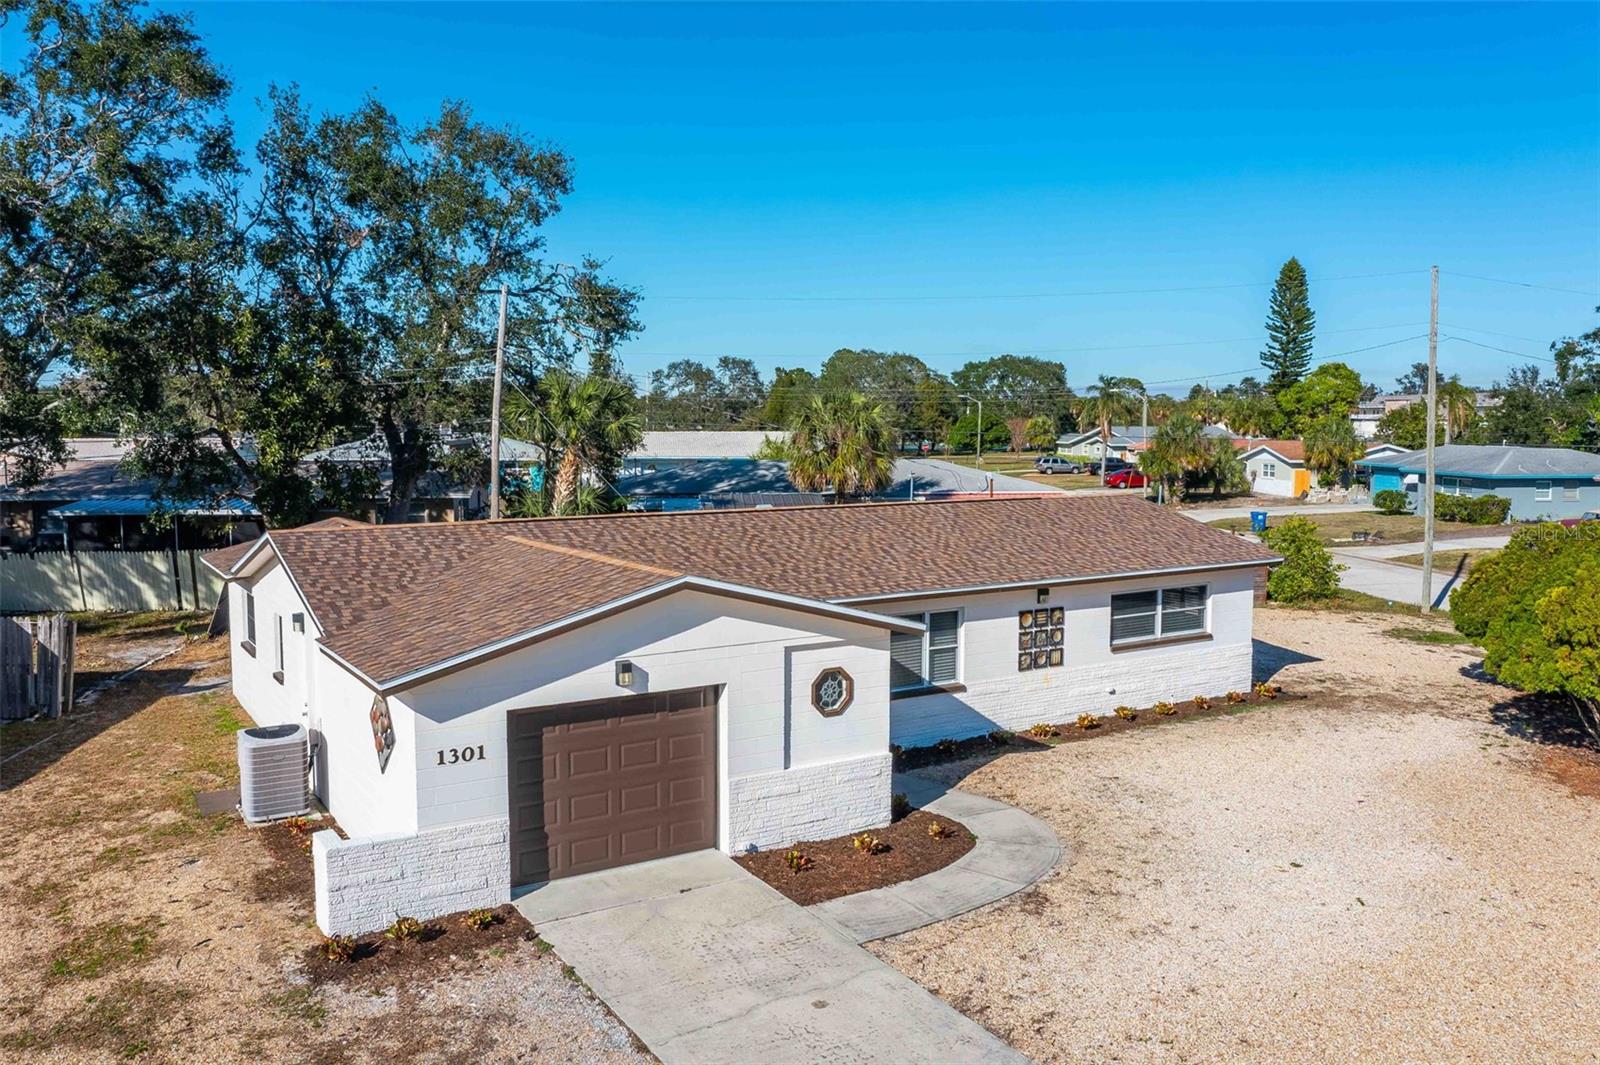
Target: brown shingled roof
[{"x": 394, "y": 598}]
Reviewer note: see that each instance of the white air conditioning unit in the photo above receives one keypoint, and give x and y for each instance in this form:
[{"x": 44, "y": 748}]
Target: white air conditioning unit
[{"x": 273, "y": 764}]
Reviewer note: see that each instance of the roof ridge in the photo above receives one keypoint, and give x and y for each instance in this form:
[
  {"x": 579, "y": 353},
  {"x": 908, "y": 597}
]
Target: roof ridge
[{"x": 596, "y": 556}]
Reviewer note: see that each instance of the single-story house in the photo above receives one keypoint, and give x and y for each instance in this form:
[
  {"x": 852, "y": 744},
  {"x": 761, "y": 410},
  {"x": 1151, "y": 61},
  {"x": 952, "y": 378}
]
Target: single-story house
[
  {"x": 1277, "y": 468},
  {"x": 1543, "y": 483},
  {"x": 1125, "y": 442},
  {"x": 666, "y": 450},
  {"x": 440, "y": 495},
  {"x": 499, "y": 704}
]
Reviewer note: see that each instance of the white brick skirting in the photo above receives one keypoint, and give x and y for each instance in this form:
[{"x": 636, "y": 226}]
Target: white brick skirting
[
  {"x": 767, "y": 810},
  {"x": 364, "y": 884},
  {"x": 1134, "y": 678}
]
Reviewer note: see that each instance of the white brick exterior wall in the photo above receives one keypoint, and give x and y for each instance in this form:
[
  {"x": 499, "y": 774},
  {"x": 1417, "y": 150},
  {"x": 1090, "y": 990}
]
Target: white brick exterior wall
[
  {"x": 364, "y": 884},
  {"x": 817, "y": 802},
  {"x": 1094, "y": 679}
]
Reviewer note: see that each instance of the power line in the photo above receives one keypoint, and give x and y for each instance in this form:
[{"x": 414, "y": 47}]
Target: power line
[
  {"x": 1507, "y": 351},
  {"x": 952, "y": 297},
  {"x": 1524, "y": 284}
]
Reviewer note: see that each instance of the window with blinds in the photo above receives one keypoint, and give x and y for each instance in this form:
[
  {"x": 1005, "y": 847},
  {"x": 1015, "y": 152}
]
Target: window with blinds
[
  {"x": 1151, "y": 615},
  {"x": 917, "y": 660}
]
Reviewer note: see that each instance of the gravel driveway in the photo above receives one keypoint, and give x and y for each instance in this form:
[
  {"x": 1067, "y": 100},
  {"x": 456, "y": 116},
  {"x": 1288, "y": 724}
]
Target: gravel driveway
[{"x": 1383, "y": 872}]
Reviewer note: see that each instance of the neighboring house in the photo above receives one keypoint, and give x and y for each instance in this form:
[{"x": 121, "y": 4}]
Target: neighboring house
[
  {"x": 439, "y": 495},
  {"x": 720, "y": 483},
  {"x": 666, "y": 450},
  {"x": 499, "y": 704},
  {"x": 1541, "y": 482},
  {"x": 1277, "y": 468},
  {"x": 1125, "y": 442},
  {"x": 90, "y": 503}
]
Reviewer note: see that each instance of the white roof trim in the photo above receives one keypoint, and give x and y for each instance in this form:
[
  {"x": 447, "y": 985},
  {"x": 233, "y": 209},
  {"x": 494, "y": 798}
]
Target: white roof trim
[
  {"x": 932, "y": 593},
  {"x": 1272, "y": 451},
  {"x": 236, "y": 571},
  {"x": 655, "y": 591}
]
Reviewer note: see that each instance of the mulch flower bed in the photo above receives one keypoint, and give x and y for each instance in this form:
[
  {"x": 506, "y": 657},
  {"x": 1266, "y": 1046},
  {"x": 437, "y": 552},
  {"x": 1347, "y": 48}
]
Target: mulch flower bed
[
  {"x": 835, "y": 867},
  {"x": 379, "y": 960},
  {"x": 290, "y": 876},
  {"x": 1072, "y": 731}
]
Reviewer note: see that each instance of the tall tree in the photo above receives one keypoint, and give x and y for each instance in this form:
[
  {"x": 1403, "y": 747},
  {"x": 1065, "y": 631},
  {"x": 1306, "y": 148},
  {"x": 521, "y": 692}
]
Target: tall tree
[
  {"x": 1018, "y": 386},
  {"x": 113, "y": 135},
  {"x": 1290, "y": 326},
  {"x": 688, "y": 394},
  {"x": 1107, "y": 402},
  {"x": 404, "y": 234},
  {"x": 1331, "y": 389},
  {"x": 790, "y": 389},
  {"x": 895, "y": 380},
  {"x": 843, "y": 442}
]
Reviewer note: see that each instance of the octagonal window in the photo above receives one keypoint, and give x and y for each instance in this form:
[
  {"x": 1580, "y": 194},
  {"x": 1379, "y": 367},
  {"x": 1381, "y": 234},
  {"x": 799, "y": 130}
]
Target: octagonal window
[{"x": 832, "y": 691}]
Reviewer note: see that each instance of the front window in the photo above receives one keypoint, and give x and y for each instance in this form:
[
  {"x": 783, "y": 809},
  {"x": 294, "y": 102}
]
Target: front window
[
  {"x": 250, "y": 617},
  {"x": 921, "y": 659},
  {"x": 1151, "y": 615},
  {"x": 1541, "y": 491},
  {"x": 1269, "y": 470},
  {"x": 1569, "y": 493}
]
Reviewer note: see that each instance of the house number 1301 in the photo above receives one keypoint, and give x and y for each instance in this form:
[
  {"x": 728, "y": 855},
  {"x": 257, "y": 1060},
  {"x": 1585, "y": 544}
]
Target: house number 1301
[{"x": 461, "y": 754}]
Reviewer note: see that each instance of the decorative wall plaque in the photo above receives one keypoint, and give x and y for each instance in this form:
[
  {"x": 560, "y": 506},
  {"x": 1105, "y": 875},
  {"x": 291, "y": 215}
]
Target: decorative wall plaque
[{"x": 382, "y": 731}]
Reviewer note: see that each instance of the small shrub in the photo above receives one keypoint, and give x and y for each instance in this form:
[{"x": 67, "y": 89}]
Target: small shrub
[
  {"x": 899, "y": 806},
  {"x": 1000, "y": 737},
  {"x": 404, "y": 930},
  {"x": 1127, "y": 713},
  {"x": 1390, "y": 501},
  {"x": 796, "y": 861},
  {"x": 1088, "y": 721},
  {"x": 1201, "y": 702},
  {"x": 480, "y": 920},
  {"x": 341, "y": 949},
  {"x": 867, "y": 843},
  {"x": 1165, "y": 709},
  {"x": 1043, "y": 730},
  {"x": 1307, "y": 571},
  {"x": 939, "y": 830},
  {"x": 946, "y": 747},
  {"x": 1475, "y": 510},
  {"x": 1235, "y": 698},
  {"x": 1267, "y": 690}
]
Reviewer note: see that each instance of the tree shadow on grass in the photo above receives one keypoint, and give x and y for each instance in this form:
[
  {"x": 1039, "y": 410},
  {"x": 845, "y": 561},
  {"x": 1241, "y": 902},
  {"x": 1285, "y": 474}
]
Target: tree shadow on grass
[
  {"x": 1268, "y": 659},
  {"x": 27, "y": 748}
]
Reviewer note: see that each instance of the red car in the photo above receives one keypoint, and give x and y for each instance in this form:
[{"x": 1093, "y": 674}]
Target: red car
[{"x": 1128, "y": 478}]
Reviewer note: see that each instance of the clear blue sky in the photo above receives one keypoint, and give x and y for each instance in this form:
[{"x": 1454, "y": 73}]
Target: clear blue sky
[{"x": 732, "y": 154}]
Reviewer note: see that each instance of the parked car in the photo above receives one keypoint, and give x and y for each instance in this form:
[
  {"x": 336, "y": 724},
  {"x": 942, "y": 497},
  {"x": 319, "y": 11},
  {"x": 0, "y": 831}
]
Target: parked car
[
  {"x": 1126, "y": 478},
  {"x": 1057, "y": 464},
  {"x": 1112, "y": 466},
  {"x": 1586, "y": 516}
]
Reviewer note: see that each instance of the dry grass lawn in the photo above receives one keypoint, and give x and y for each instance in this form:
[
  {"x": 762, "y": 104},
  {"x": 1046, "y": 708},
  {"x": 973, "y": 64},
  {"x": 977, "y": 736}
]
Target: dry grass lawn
[
  {"x": 1340, "y": 527},
  {"x": 1450, "y": 561},
  {"x": 1404, "y": 867},
  {"x": 138, "y": 929}
]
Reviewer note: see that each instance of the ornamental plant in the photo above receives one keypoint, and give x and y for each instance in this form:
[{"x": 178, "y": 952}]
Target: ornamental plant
[
  {"x": 1307, "y": 571},
  {"x": 939, "y": 830},
  {"x": 1267, "y": 690},
  {"x": 797, "y": 861},
  {"x": 867, "y": 843},
  {"x": 1390, "y": 501},
  {"x": 1043, "y": 730},
  {"x": 1235, "y": 698},
  {"x": 480, "y": 920},
  {"x": 404, "y": 930},
  {"x": 1088, "y": 721},
  {"x": 1127, "y": 713},
  {"x": 899, "y": 806},
  {"x": 1201, "y": 702},
  {"x": 341, "y": 949},
  {"x": 1534, "y": 608},
  {"x": 1165, "y": 709}
]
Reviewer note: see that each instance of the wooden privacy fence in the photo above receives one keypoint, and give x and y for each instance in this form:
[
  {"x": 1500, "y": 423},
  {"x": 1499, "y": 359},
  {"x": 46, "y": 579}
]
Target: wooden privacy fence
[
  {"x": 107, "y": 580},
  {"x": 36, "y": 665}
]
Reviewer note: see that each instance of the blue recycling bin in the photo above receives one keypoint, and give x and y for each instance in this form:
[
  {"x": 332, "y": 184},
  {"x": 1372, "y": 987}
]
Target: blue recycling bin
[{"x": 1258, "y": 521}]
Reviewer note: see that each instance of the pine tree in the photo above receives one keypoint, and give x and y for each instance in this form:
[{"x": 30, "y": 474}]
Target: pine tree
[{"x": 1290, "y": 322}]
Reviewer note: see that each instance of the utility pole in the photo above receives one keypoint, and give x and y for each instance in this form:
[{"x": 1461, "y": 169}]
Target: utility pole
[
  {"x": 494, "y": 415},
  {"x": 1427, "y": 483},
  {"x": 978, "y": 447},
  {"x": 1144, "y": 433}
]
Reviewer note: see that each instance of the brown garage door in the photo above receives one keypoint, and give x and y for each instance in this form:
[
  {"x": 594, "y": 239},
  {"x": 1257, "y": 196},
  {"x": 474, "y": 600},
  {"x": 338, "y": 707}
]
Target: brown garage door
[{"x": 595, "y": 785}]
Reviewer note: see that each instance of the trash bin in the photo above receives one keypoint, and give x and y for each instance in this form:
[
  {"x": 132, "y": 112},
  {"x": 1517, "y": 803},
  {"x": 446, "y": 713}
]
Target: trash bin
[{"x": 1258, "y": 521}]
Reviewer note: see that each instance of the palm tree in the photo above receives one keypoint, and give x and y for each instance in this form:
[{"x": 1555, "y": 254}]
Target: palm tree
[
  {"x": 1178, "y": 448},
  {"x": 1249, "y": 415},
  {"x": 1458, "y": 408},
  {"x": 1332, "y": 447},
  {"x": 591, "y": 423},
  {"x": 1107, "y": 402},
  {"x": 841, "y": 441}
]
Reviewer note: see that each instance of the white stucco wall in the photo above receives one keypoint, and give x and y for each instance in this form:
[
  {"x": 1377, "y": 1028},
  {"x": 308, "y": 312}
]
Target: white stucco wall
[
  {"x": 764, "y": 659},
  {"x": 1094, "y": 678},
  {"x": 267, "y": 701}
]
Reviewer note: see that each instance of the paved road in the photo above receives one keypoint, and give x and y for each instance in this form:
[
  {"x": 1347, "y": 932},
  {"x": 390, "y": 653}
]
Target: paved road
[
  {"x": 1452, "y": 543},
  {"x": 708, "y": 964},
  {"x": 1218, "y": 513}
]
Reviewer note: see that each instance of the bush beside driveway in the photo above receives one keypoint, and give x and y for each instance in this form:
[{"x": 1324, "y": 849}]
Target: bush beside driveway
[{"x": 1400, "y": 868}]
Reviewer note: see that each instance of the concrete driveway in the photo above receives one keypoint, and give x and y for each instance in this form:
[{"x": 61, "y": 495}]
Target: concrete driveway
[
  {"x": 1369, "y": 569},
  {"x": 708, "y": 964}
]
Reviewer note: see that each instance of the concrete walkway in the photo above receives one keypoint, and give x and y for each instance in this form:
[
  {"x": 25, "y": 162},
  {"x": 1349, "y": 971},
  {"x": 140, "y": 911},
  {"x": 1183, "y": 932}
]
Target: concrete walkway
[
  {"x": 708, "y": 964},
  {"x": 1014, "y": 850},
  {"x": 1443, "y": 543}
]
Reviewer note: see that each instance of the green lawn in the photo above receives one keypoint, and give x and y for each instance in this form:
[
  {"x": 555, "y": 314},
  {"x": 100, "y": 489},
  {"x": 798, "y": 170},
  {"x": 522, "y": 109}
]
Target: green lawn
[
  {"x": 1338, "y": 530},
  {"x": 1021, "y": 466}
]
